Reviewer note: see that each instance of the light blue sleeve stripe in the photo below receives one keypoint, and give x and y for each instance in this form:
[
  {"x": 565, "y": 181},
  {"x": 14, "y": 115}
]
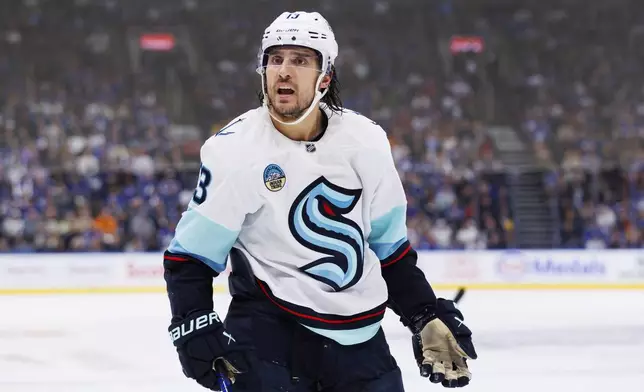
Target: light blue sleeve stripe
[
  {"x": 388, "y": 232},
  {"x": 349, "y": 336},
  {"x": 203, "y": 239},
  {"x": 385, "y": 250}
]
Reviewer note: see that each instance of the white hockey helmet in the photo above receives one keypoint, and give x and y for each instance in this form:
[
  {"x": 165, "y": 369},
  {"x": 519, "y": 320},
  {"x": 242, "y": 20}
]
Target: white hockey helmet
[{"x": 307, "y": 29}]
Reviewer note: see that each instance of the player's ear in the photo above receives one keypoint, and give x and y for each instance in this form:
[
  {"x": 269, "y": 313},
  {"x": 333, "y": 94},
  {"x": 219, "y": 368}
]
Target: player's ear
[{"x": 326, "y": 81}]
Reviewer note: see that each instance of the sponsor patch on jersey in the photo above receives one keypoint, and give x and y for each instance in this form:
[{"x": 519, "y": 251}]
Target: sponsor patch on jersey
[{"x": 274, "y": 178}]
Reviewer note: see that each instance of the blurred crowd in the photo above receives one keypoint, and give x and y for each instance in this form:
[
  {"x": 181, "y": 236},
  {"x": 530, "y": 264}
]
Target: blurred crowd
[
  {"x": 577, "y": 75},
  {"x": 88, "y": 161}
]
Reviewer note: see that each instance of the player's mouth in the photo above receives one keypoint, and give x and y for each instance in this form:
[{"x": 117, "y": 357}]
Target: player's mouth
[{"x": 285, "y": 93}]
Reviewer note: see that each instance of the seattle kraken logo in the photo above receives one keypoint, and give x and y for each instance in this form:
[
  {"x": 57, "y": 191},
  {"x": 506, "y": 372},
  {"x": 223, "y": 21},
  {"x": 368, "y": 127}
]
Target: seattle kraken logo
[{"x": 316, "y": 221}]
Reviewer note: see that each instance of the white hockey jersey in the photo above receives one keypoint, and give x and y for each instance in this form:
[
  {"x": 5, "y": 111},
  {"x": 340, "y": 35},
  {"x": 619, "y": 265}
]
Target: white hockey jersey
[{"x": 316, "y": 220}]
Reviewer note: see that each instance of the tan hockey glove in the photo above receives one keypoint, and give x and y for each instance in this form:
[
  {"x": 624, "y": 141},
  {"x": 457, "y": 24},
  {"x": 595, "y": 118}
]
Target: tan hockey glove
[{"x": 442, "y": 346}]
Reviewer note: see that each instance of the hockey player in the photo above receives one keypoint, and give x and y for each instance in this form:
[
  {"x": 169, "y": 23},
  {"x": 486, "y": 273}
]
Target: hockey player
[{"x": 304, "y": 197}]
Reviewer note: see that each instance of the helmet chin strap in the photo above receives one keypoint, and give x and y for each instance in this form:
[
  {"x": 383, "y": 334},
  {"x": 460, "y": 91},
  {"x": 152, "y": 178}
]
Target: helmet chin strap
[{"x": 316, "y": 99}]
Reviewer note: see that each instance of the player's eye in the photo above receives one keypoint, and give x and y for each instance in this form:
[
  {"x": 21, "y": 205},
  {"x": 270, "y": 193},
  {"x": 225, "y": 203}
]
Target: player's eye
[
  {"x": 300, "y": 61},
  {"x": 275, "y": 60}
]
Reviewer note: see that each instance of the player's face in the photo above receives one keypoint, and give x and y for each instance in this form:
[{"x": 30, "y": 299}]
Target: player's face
[{"x": 291, "y": 75}]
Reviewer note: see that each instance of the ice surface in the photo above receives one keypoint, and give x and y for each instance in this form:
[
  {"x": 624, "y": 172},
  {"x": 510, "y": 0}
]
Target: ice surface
[{"x": 527, "y": 341}]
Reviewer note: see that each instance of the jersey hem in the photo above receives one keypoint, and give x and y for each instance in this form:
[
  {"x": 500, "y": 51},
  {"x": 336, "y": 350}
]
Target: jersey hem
[{"x": 309, "y": 317}]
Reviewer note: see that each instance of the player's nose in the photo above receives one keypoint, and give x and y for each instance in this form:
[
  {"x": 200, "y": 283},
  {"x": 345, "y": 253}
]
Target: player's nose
[
  {"x": 283, "y": 77},
  {"x": 284, "y": 71}
]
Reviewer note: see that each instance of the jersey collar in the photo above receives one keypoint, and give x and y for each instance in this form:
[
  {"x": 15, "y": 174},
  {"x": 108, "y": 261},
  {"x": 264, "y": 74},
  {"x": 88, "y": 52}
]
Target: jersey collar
[{"x": 325, "y": 124}]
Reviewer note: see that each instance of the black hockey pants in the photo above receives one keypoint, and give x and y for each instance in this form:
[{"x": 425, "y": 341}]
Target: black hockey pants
[{"x": 287, "y": 357}]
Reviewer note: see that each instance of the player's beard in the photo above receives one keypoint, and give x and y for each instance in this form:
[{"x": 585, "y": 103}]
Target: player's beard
[{"x": 292, "y": 112}]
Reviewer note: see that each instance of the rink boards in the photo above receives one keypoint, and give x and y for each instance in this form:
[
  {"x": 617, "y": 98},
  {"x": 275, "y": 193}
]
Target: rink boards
[{"x": 496, "y": 270}]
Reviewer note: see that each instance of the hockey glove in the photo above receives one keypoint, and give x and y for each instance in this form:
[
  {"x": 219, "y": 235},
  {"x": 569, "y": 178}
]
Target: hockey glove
[
  {"x": 442, "y": 344},
  {"x": 200, "y": 340}
]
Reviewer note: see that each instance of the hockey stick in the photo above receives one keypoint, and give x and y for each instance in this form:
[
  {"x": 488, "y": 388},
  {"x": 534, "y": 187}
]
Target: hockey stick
[
  {"x": 222, "y": 379},
  {"x": 459, "y": 295}
]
